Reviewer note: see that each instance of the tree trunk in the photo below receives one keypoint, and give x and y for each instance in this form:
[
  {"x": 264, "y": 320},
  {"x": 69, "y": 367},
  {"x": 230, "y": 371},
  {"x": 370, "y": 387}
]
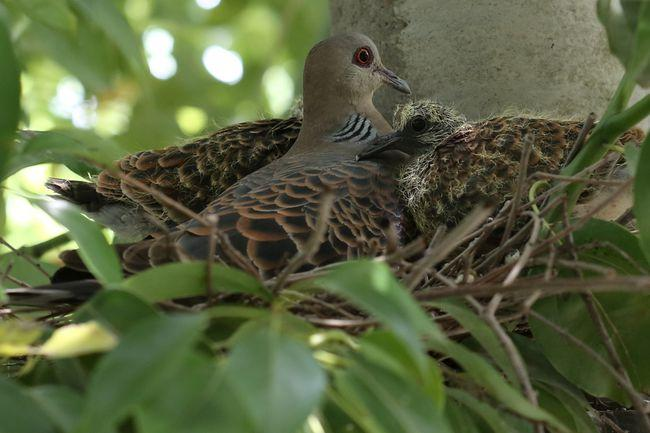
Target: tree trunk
[{"x": 546, "y": 57}]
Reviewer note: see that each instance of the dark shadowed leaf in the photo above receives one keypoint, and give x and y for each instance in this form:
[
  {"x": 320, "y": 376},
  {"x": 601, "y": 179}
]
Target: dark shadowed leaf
[
  {"x": 276, "y": 378},
  {"x": 19, "y": 413},
  {"x": 9, "y": 96},
  {"x": 642, "y": 197},
  {"x": 200, "y": 401},
  {"x": 481, "y": 332},
  {"x": 61, "y": 404},
  {"x": 97, "y": 255},
  {"x": 184, "y": 280},
  {"x": 498, "y": 421},
  {"x": 139, "y": 367},
  {"x": 612, "y": 245},
  {"x": 624, "y": 313},
  {"x": 117, "y": 309}
]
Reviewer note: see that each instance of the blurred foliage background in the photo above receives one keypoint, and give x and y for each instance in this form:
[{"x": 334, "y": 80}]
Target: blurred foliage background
[{"x": 148, "y": 74}]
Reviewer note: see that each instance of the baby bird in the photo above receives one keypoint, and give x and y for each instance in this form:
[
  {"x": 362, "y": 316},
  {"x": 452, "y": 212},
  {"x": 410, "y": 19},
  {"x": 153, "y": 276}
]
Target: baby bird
[{"x": 447, "y": 165}]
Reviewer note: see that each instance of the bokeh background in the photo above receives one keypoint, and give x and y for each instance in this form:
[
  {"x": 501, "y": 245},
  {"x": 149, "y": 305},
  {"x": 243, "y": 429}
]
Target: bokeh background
[{"x": 149, "y": 74}]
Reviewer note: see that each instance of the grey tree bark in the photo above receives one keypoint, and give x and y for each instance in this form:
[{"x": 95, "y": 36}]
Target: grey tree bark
[{"x": 490, "y": 56}]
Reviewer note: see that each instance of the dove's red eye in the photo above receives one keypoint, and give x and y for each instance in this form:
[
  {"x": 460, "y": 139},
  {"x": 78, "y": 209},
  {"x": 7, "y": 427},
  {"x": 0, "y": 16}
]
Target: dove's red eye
[{"x": 363, "y": 57}]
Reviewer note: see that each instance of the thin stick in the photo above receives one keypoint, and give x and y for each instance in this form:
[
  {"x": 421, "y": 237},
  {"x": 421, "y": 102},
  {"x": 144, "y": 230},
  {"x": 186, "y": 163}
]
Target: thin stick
[
  {"x": 528, "y": 250},
  {"x": 517, "y": 362},
  {"x": 28, "y": 259},
  {"x": 576, "y": 179},
  {"x": 636, "y": 284},
  {"x": 519, "y": 186},
  {"x": 577, "y": 146},
  {"x": 448, "y": 244}
]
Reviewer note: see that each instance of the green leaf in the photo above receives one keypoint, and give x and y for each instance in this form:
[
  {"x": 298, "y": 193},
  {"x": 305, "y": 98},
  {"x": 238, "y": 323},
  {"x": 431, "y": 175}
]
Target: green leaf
[
  {"x": 100, "y": 258},
  {"x": 606, "y": 233},
  {"x": 385, "y": 349},
  {"x": 275, "y": 377},
  {"x": 642, "y": 196},
  {"x": 9, "y": 96},
  {"x": 567, "y": 408},
  {"x": 23, "y": 270},
  {"x": 65, "y": 147},
  {"x": 382, "y": 401},
  {"x": 139, "y": 367},
  {"x": 183, "y": 280},
  {"x": 481, "y": 332},
  {"x": 494, "y": 418},
  {"x": 53, "y": 13},
  {"x": 117, "y": 309},
  {"x": 372, "y": 286},
  {"x": 623, "y": 28},
  {"x": 107, "y": 17},
  {"x": 19, "y": 413},
  {"x": 625, "y": 314},
  {"x": 62, "y": 404},
  {"x": 200, "y": 401}
]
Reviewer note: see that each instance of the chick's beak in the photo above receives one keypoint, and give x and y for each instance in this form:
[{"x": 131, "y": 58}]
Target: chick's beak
[
  {"x": 389, "y": 77},
  {"x": 390, "y": 142}
]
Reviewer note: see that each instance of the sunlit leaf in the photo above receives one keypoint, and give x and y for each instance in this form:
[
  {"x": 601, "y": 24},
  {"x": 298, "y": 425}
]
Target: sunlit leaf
[
  {"x": 78, "y": 339},
  {"x": 54, "y": 13},
  {"x": 276, "y": 378},
  {"x": 138, "y": 368},
  {"x": 100, "y": 258},
  {"x": 19, "y": 413},
  {"x": 107, "y": 16},
  {"x": 17, "y": 336},
  {"x": 183, "y": 280}
]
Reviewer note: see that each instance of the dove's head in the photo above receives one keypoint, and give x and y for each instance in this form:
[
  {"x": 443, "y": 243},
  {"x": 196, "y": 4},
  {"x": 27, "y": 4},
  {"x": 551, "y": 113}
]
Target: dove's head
[{"x": 341, "y": 75}]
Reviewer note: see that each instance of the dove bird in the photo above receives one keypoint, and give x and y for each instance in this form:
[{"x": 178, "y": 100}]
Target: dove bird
[{"x": 269, "y": 215}]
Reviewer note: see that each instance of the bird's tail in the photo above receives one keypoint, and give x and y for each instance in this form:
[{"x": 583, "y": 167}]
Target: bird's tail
[
  {"x": 53, "y": 296},
  {"x": 78, "y": 192}
]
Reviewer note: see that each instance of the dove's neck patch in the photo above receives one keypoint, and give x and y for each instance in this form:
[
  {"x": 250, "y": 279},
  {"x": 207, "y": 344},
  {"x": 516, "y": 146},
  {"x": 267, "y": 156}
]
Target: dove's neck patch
[{"x": 357, "y": 129}]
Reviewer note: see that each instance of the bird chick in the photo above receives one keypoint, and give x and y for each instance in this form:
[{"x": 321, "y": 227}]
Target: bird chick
[{"x": 450, "y": 165}]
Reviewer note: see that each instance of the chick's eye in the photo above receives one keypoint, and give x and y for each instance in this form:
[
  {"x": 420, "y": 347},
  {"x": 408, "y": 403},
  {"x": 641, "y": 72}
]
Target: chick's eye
[
  {"x": 363, "y": 57},
  {"x": 418, "y": 124}
]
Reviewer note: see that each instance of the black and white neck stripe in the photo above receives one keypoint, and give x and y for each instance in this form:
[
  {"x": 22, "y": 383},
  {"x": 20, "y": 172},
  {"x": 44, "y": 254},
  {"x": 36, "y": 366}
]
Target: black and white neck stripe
[{"x": 357, "y": 129}]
